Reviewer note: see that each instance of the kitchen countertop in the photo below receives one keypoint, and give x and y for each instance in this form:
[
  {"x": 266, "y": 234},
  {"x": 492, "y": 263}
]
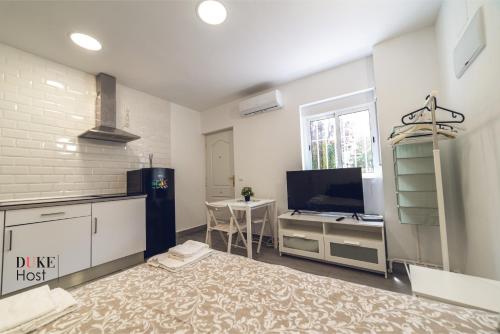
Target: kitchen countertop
[{"x": 55, "y": 201}]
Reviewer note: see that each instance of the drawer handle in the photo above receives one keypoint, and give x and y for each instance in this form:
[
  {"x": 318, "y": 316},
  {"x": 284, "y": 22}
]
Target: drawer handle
[
  {"x": 297, "y": 235},
  {"x": 52, "y": 213},
  {"x": 352, "y": 243}
]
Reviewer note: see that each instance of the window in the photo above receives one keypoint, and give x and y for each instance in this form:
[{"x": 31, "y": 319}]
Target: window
[
  {"x": 342, "y": 139},
  {"x": 323, "y": 142}
]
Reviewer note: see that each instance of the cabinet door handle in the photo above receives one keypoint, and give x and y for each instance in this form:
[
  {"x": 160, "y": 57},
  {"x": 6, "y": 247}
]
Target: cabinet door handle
[
  {"x": 52, "y": 213},
  {"x": 10, "y": 241},
  {"x": 352, "y": 243},
  {"x": 95, "y": 225},
  {"x": 297, "y": 235}
]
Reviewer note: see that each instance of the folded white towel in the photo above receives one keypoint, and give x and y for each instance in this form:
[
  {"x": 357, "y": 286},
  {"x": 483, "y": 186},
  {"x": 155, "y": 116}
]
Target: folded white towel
[
  {"x": 173, "y": 263},
  {"x": 63, "y": 303},
  {"x": 24, "y": 307},
  {"x": 188, "y": 249}
]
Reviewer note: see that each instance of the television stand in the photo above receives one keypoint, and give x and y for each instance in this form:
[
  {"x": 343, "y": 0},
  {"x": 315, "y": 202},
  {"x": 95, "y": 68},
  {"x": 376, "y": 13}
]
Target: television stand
[
  {"x": 296, "y": 211},
  {"x": 349, "y": 242},
  {"x": 355, "y": 216}
]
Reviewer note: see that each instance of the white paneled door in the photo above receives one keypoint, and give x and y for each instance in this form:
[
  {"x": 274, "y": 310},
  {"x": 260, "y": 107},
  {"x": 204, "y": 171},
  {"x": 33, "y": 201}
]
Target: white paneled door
[{"x": 220, "y": 166}]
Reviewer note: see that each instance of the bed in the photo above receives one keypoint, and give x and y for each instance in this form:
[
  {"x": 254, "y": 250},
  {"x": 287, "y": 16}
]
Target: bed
[{"x": 233, "y": 294}]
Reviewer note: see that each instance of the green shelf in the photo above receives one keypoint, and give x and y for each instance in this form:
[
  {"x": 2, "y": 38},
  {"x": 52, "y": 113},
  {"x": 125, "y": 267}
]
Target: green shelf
[{"x": 415, "y": 184}]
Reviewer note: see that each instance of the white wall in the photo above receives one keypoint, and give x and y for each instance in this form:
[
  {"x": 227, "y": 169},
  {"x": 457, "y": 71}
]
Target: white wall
[
  {"x": 267, "y": 145},
  {"x": 476, "y": 154},
  {"x": 188, "y": 160},
  {"x": 41, "y": 154},
  {"x": 406, "y": 70}
]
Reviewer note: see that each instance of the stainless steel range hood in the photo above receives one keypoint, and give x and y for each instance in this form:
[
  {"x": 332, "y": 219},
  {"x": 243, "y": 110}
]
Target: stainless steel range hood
[{"x": 105, "y": 113}]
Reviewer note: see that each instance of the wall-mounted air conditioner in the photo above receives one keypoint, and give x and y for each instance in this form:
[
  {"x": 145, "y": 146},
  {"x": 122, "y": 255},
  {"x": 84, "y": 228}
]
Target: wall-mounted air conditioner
[
  {"x": 261, "y": 103},
  {"x": 471, "y": 44}
]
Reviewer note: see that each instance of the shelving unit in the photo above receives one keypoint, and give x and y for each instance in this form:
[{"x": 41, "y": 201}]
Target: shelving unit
[
  {"x": 348, "y": 242},
  {"x": 416, "y": 184}
]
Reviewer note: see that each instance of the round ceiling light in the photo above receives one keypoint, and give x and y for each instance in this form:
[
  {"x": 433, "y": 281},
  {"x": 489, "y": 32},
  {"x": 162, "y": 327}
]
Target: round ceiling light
[
  {"x": 86, "y": 41},
  {"x": 212, "y": 12}
]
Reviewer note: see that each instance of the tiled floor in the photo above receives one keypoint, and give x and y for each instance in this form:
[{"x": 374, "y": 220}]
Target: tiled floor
[{"x": 396, "y": 282}]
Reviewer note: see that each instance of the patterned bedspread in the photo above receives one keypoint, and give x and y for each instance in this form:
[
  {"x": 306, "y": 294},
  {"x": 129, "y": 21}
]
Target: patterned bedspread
[{"x": 232, "y": 294}]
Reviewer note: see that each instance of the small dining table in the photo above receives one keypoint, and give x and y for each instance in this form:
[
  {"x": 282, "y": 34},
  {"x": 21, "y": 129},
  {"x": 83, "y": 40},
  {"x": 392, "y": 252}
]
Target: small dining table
[{"x": 240, "y": 205}]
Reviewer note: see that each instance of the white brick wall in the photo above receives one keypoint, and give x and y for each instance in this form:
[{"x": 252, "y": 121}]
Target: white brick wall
[{"x": 41, "y": 154}]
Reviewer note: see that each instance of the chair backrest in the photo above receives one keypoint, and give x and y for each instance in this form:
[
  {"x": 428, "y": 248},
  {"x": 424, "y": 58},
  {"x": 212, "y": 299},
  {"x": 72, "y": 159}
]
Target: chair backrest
[{"x": 220, "y": 209}]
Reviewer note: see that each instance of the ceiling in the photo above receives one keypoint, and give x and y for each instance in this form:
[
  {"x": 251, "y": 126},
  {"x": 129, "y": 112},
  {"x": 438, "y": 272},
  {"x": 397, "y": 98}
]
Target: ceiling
[{"x": 162, "y": 48}]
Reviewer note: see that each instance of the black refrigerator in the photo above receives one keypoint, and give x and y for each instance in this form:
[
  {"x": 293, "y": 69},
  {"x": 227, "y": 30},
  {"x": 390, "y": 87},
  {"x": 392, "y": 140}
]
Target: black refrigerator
[{"x": 158, "y": 184}]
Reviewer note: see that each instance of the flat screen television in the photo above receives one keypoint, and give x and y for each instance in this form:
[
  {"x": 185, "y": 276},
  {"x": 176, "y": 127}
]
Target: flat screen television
[{"x": 326, "y": 190}]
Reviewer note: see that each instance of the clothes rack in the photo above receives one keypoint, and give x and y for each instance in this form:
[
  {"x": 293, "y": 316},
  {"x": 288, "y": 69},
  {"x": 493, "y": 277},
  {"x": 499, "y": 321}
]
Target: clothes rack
[{"x": 411, "y": 128}]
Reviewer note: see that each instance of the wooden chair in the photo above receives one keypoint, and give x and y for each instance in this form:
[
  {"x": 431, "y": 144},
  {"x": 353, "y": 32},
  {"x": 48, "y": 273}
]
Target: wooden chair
[
  {"x": 263, "y": 221},
  {"x": 223, "y": 226}
]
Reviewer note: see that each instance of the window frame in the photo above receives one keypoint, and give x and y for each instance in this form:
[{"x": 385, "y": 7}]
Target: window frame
[{"x": 306, "y": 134}]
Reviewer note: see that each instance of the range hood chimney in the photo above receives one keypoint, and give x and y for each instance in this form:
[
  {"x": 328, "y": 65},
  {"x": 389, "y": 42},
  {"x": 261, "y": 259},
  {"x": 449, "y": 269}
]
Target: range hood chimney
[{"x": 105, "y": 113}]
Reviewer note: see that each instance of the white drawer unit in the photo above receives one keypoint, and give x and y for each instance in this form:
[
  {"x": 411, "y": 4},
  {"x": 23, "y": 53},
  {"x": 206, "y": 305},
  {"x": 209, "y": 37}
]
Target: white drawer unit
[
  {"x": 35, "y": 215},
  {"x": 352, "y": 251},
  {"x": 66, "y": 242},
  {"x": 302, "y": 243},
  {"x": 347, "y": 242}
]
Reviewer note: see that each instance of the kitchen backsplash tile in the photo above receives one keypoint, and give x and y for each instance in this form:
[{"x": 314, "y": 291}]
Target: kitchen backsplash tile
[{"x": 44, "y": 106}]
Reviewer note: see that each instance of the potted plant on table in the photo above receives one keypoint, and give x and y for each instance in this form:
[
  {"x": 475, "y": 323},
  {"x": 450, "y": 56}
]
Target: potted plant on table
[{"x": 247, "y": 193}]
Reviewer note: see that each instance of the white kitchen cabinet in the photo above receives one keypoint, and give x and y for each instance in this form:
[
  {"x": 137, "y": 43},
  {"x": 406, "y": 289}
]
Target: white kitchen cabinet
[
  {"x": 67, "y": 240},
  {"x": 118, "y": 229},
  {"x": 2, "y": 215}
]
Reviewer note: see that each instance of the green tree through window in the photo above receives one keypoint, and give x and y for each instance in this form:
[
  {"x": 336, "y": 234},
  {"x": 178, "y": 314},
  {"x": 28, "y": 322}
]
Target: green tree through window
[{"x": 353, "y": 139}]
